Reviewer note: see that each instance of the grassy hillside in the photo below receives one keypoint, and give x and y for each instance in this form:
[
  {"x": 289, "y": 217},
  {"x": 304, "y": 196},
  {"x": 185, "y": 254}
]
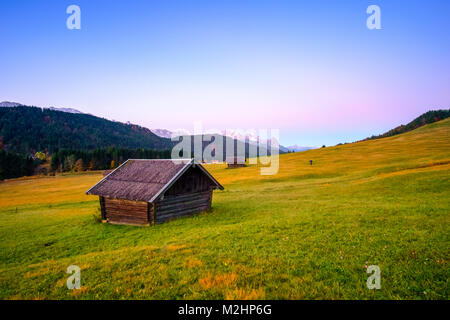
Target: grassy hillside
[
  {"x": 307, "y": 233},
  {"x": 426, "y": 118}
]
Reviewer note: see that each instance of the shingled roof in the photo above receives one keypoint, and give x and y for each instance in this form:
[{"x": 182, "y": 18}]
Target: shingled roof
[{"x": 144, "y": 179}]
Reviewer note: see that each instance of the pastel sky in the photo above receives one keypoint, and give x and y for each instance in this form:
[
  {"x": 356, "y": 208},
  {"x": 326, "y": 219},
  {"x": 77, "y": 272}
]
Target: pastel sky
[{"x": 309, "y": 68}]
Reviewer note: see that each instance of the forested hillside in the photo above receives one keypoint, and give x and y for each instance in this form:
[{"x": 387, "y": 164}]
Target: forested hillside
[
  {"x": 29, "y": 129},
  {"x": 426, "y": 118},
  {"x": 14, "y": 165}
]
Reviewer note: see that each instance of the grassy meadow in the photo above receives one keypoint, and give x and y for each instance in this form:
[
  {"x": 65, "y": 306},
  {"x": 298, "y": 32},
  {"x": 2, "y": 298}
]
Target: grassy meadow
[{"x": 308, "y": 232}]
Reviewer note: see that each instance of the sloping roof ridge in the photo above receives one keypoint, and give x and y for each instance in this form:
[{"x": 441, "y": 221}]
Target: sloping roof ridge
[
  {"x": 173, "y": 179},
  {"x": 104, "y": 178}
]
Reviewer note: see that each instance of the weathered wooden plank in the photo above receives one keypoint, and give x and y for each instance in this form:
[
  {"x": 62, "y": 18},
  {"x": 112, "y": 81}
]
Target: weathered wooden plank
[
  {"x": 140, "y": 212},
  {"x": 102, "y": 207},
  {"x": 130, "y": 206},
  {"x": 127, "y": 218},
  {"x": 173, "y": 217},
  {"x": 128, "y": 222},
  {"x": 182, "y": 204},
  {"x": 125, "y": 205},
  {"x": 183, "y": 211},
  {"x": 175, "y": 211},
  {"x": 152, "y": 213},
  {"x": 127, "y": 215},
  {"x": 185, "y": 196},
  {"x": 126, "y": 212}
]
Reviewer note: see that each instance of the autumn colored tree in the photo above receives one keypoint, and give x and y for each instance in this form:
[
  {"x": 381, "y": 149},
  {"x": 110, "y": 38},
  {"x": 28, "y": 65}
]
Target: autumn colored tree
[
  {"x": 79, "y": 165},
  {"x": 40, "y": 155},
  {"x": 69, "y": 163}
]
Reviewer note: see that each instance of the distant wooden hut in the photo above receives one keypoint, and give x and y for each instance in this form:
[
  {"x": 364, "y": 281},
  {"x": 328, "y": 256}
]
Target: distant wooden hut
[
  {"x": 236, "y": 162},
  {"x": 145, "y": 192}
]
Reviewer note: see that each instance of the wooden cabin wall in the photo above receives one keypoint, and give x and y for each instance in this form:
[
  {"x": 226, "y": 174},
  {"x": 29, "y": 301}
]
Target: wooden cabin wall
[
  {"x": 175, "y": 206},
  {"x": 127, "y": 212},
  {"x": 193, "y": 180},
  {"x": 191, "y": 193},
  {"x": 102, "y": 207}
]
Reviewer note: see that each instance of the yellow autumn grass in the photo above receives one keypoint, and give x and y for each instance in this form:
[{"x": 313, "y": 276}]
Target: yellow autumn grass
[{"x": 47, "y": 189}]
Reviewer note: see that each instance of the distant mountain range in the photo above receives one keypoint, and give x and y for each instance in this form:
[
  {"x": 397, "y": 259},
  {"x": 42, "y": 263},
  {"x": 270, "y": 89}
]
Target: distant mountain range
[
  {"x": 167, "y": 134},
  {"x": 250, "y": 138},
  {"x": 9, "y": 104},
  {"x": 296, "y": 148},
  {"x": 69, "y": 110},
  {"x": 27, "y": 129},
  {"x": 163, "y": 133}
]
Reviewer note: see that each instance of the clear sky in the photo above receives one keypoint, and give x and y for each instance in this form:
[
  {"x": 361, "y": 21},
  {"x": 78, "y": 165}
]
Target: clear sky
[{"x": 309, "y": 68}]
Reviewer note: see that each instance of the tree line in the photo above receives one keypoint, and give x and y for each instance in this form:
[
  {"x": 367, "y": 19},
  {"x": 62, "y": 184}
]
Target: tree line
[
  {"x": 426, "y": 118},
  {"x": 13, "y": 165},
  {"x": 100, "y": 159}
]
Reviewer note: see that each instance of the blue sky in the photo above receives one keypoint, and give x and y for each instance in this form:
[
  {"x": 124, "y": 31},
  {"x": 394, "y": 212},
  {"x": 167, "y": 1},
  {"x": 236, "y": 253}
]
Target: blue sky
[{"x": 309, "y": 68}]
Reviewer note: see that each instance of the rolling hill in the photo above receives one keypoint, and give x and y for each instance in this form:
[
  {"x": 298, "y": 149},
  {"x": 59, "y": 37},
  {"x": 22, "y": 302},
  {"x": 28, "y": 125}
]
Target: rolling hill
[
  {"x": 24, "y": 129},
  {"x": 426, "y": 118},
  {"x": 309, "y": 232}
]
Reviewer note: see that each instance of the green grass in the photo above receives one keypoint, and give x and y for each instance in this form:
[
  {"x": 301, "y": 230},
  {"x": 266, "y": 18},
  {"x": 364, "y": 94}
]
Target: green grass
[{"x": 306, "y": 233}]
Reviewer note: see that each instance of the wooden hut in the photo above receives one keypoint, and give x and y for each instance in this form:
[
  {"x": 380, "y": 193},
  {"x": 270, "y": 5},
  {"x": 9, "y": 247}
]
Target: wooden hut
[
  {"x": 236, "y": 162},
  {"x": 145, "y": 192}
]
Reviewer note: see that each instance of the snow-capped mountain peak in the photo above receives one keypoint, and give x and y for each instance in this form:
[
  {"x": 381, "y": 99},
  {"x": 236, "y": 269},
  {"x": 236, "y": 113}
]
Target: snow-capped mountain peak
[
  {"x": 9, "y": 104},
  {"x": 69, "y": 110},
  {"x": 163, "y": 133}
]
